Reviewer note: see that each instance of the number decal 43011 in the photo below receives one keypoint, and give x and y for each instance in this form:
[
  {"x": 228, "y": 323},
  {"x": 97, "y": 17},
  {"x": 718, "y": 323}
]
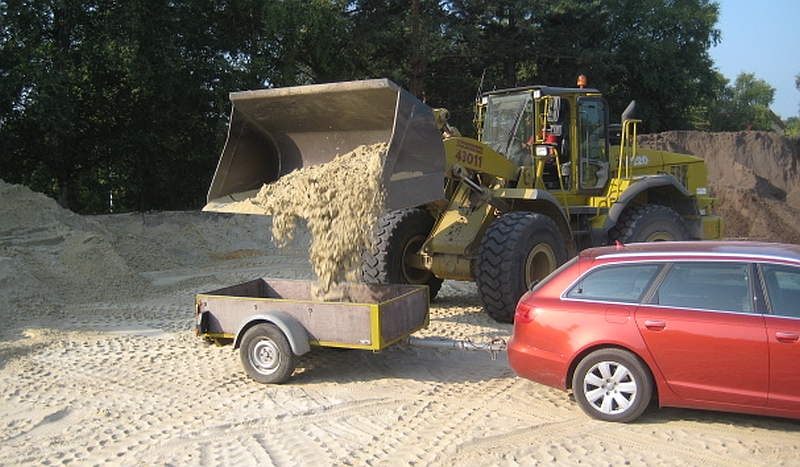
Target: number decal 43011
[{"x": 466, "y": 157}]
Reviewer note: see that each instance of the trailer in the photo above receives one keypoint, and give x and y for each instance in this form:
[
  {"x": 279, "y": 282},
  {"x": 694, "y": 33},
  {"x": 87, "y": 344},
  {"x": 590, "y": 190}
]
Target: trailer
[{"x": 274, "y": 321}]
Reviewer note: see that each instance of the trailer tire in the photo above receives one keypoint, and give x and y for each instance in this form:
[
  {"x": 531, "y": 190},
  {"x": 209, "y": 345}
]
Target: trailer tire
[
  {"x": 649, "y": 223},
  {"x": 398, "y": 235},
  {"x": 517, "y": 249},
  {"x": 266, "y": 354}
]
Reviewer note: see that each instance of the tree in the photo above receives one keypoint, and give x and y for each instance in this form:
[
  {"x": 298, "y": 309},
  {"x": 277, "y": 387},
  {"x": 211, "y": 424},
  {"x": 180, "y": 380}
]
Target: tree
[
  {"x": 793, "y": 123},
  {"x": 103, "y": 102},
  {"x": 744, "y": 105}
]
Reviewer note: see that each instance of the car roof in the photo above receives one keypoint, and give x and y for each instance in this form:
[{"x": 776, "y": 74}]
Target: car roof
[{"x": 699, "y": 249}]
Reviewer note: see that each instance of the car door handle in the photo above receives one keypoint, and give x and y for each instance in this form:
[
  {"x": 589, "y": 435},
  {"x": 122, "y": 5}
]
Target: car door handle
[
  {"x": 655, "y": 325},
  {"x": 787, "y": 337}
]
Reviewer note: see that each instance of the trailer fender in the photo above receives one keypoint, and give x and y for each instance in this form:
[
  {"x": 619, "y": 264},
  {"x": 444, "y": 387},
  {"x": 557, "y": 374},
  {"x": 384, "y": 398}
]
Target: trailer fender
[
  {"x": 295, "y": 332},
  {"x": 642, "y": 185}
]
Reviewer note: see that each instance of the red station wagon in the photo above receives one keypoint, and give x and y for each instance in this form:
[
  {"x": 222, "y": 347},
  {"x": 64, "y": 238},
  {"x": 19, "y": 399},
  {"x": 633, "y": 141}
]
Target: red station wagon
[{"x": 707, "y": 325}]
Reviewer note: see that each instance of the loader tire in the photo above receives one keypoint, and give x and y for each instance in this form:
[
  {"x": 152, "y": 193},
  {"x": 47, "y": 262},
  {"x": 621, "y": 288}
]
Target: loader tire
[
  {"x": 649, "y": 223},
  {"x": 517, "y": 249},
  {"x": 400, "y": 234}
]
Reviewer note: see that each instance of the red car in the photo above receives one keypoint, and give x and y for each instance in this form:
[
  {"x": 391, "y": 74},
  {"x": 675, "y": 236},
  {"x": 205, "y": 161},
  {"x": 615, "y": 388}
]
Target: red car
[{"x": 707, "y": 325}]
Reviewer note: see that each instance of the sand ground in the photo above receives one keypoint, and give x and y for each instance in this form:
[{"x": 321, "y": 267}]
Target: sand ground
[{"x": 99, "y": 366}]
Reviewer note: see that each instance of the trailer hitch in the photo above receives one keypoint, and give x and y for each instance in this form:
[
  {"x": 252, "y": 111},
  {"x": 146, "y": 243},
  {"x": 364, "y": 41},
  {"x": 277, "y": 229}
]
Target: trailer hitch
[{"x": 494, "y": 347}]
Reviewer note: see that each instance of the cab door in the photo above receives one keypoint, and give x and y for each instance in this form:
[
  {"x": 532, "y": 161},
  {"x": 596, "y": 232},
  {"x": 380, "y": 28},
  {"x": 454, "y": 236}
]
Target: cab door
[
  {"x": 592, "y": 143},
  {"x": 702, "y": 331}
]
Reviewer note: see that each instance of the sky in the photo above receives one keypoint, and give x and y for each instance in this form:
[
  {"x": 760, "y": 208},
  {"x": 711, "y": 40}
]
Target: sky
[{"x": 762, "y": 37}]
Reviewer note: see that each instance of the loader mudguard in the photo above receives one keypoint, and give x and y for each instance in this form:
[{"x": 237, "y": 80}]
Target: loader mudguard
[
  {"x": 295, "y": 333},
  {"x": 541, "y": 201},
  {"x": 642, "y": 185}
]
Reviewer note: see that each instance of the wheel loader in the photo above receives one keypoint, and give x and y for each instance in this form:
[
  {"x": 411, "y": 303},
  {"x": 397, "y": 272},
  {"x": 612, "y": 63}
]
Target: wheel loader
[{"x": 547, "y": 176}]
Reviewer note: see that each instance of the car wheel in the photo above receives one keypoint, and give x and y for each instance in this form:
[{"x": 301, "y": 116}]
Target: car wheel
[
  {"x": 612, "y": 385},
  {"x": 266, "y": 354}
]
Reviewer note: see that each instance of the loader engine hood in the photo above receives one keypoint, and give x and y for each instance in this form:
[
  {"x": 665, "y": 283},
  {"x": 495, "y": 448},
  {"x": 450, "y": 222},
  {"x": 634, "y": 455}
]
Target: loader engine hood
[{"x": 275, "y": 131}]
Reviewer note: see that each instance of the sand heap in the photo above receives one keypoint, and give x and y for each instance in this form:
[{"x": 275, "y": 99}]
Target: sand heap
[
  {"x": 340, "y": 202},
  {"x": 755, "y": 176},
  {"x": 51, "y": 255}
]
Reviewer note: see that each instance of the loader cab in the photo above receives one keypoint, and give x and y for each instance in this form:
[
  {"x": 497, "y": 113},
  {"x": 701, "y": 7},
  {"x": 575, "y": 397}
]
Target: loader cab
[{"x": 564, "y": 131}]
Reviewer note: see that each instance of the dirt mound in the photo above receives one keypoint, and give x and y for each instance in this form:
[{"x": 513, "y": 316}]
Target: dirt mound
[
  {"x": 754, "y": 176},
  {"x": 50, "y": 254}
]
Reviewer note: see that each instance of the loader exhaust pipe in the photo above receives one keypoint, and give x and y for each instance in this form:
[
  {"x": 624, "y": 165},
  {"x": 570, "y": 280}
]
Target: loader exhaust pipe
[{"x": 275, "y": 131}]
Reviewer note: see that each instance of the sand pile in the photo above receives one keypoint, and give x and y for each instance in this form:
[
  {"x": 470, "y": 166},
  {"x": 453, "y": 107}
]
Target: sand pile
[
  {"x": 51, "y": 255},
  {"x": 123, "y": 381},
  {"x": 340, "y": 203},
  {"x": 754, "y": 175}
]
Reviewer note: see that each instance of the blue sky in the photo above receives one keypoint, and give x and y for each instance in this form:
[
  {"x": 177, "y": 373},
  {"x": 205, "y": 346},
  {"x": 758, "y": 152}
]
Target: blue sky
[{"x": 762, "y": 37}]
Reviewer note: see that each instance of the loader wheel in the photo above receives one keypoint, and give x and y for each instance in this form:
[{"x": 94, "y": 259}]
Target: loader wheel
[
  {"x": 400, "y": 234},
  {"x": 649, "y": 223},
  {"x": 266, "y": 354},
  {"x": 517, "y": 249}
]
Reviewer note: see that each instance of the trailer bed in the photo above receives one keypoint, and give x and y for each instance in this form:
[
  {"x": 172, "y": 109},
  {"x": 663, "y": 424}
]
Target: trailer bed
[{"x": 372, "y": 316}]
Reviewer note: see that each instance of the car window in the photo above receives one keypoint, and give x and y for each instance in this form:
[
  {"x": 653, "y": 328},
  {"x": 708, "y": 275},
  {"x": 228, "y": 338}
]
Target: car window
[
  {"x": 618, "y": 283},
  {"x": 783, "y": 289},
  {"x": 708, "y": 286}
]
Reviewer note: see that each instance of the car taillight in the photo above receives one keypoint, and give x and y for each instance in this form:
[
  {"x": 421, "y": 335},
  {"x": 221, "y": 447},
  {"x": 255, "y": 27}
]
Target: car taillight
[{"x": 524, "y": 313}]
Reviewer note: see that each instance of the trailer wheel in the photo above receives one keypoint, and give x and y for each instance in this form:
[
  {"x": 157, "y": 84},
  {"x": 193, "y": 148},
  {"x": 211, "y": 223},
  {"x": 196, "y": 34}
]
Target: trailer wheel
[
  {"x": 266, "y": 354},
  {"x": 649, "y": 223},
  {"x": 517, "y": 249},
  {"x": 400, "y": 234}
]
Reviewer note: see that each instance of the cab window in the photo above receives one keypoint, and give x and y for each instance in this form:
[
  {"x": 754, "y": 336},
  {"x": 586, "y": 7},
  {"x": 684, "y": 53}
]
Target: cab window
[{"x": 592, "y": 143}]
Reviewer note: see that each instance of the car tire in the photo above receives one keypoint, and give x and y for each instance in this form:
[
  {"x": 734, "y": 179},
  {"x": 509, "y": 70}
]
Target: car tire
[
  {"x": 399, "y": 234},
  {"x": 266, "y": 354},
  {"x": 517, "y": 249},
  {"x": 613, "y": 385},
  {"x": 649, "y": 223}
]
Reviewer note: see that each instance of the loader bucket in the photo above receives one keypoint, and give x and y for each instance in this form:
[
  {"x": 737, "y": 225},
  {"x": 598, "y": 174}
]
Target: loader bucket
[{"x": 275, "y": 131}]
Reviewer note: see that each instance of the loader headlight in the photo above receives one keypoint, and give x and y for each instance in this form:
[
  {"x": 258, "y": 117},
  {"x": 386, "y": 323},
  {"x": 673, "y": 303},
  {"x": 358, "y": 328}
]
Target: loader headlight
[{"x": 543, "y": 150}]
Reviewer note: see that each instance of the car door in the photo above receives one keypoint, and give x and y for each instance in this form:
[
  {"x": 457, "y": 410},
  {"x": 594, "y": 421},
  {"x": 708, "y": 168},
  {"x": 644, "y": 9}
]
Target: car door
[
  {"x": 783, "y": 335},
  {"x": 706, "y": 339}
]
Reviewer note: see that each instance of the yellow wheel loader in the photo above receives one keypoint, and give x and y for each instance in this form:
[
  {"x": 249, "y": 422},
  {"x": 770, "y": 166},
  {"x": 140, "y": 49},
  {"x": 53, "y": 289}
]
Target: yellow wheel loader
[{"x": 547, "y": 176}]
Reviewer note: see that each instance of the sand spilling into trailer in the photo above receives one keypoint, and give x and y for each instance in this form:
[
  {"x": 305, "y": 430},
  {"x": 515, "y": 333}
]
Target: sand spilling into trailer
[{"x": 340, "y": 202}]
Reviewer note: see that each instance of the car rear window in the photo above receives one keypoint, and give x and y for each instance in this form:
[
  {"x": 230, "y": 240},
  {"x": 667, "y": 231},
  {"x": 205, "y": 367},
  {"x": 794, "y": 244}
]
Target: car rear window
[
  {"x": 783, "y": 288},
  {"x": 617, "y": 283}
]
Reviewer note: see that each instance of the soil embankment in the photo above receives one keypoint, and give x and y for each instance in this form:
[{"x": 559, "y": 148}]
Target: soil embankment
[{"x": 755, "y": 177}]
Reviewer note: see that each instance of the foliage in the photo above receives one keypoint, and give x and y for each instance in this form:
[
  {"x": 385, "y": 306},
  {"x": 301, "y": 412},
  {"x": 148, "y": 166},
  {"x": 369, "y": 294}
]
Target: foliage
[
  {"x": 792, "y": 126},
  {"x": 744, "y": 105},
  {"x": 109, "y": 104}
]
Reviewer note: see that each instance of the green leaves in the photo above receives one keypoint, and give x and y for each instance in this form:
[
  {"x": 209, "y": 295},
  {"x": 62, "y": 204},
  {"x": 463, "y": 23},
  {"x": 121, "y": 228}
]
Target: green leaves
[{"x": 111, "y": 105}]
